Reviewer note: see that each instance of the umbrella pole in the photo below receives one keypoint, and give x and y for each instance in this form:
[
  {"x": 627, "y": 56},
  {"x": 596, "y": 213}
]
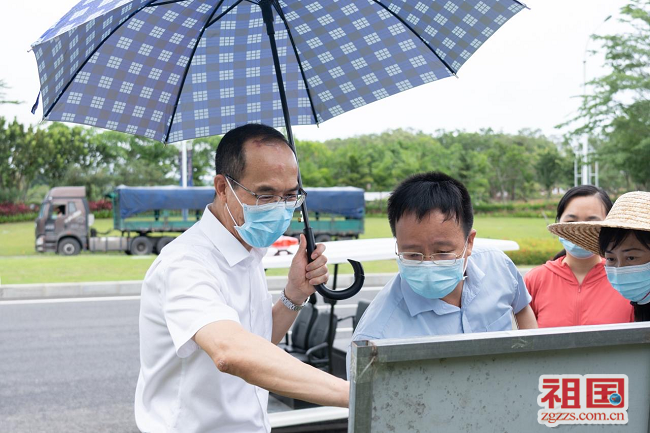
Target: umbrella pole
[{"x": 267, "y": 15}]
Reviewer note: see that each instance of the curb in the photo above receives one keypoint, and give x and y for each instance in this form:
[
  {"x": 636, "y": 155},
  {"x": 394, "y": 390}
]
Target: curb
[{"x": 132, "y": 288}]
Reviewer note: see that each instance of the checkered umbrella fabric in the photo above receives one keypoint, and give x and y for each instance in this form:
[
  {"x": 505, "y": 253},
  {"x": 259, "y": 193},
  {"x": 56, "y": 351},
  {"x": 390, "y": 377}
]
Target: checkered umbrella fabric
[{"x": 177, "y": 70}]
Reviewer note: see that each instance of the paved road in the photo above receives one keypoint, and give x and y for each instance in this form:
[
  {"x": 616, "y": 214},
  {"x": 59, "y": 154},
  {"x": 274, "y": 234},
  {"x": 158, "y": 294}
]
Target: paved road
[
  {"x": 71, "y": 365},
  {"x": 68, "y": 366}
]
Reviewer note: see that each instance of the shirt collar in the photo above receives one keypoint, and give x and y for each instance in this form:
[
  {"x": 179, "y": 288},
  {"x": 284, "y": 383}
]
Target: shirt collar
[
  {"x": 417, "y": 304},
  {"x": 233, "y": 251}
]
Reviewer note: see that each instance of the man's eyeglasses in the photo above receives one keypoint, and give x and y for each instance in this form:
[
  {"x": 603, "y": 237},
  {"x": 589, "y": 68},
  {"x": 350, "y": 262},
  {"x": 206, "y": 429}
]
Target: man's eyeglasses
[
  {"x": 442, "y": 259},
  {"x": 291, "y": 201}
]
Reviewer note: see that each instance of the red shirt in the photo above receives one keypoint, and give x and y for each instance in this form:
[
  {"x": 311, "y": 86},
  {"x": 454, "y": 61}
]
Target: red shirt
[{"x": 558, "y": 299}]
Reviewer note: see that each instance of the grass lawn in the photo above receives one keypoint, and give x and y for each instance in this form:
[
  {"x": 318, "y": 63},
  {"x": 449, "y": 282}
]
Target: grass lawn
[{"x": 20, "y": 264}]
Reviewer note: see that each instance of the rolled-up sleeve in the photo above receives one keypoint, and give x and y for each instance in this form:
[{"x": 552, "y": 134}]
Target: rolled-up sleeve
[{"x": 193, "y": 297}]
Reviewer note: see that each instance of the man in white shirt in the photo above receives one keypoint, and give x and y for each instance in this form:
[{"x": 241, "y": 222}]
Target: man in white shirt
[{"x": 208, "y": 329}]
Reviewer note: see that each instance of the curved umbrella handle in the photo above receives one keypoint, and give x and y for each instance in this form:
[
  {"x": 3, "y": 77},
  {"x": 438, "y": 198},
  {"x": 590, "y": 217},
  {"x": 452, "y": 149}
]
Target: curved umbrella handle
[
  {"x": 267, "y": 7},
  {"x": 337, "y": 295}
]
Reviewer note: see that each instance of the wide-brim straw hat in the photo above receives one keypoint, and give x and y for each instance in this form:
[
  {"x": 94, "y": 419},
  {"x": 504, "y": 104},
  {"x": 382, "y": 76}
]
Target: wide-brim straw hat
[{"x": 631, "y": 211}]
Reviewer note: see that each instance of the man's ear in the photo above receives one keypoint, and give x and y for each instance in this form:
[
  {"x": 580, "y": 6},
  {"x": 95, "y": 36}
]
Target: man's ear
[
  {"x": 470, "y": 242},
  {"x": 220, "y": 186}
]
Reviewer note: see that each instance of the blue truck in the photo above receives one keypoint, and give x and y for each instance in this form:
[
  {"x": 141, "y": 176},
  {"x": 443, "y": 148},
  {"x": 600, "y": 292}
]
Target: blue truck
[{"x": 146, "y": 216}]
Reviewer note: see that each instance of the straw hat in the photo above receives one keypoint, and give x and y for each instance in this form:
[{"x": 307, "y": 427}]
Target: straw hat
[{"x": 631, "y": 211}]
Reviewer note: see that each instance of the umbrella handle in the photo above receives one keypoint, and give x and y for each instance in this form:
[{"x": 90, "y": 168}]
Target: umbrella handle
[
  {"x": 267, "y": 14},
  {"x": 337, "y": 295}
]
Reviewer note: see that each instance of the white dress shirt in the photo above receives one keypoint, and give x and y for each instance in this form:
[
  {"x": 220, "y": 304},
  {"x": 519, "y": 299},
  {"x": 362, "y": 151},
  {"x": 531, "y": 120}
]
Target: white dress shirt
[{"x": 203, "y": 276}]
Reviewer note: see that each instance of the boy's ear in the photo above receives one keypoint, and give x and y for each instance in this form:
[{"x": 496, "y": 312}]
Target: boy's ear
[{"x": 470, "y": 242}]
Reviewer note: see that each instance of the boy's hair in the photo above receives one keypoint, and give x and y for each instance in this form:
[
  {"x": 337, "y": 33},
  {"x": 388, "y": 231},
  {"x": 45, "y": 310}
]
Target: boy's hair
[{"x": 425, "y": 192}]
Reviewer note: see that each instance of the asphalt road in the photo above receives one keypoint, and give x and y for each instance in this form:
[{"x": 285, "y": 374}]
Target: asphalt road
[
  {"x": 71, "y": 365},
  {"x": 68, "y": 366}
]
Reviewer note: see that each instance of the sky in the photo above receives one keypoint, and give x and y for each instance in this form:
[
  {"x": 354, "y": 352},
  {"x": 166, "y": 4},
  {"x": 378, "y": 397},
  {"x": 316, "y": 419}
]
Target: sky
[{"x": 528, "y": 74}]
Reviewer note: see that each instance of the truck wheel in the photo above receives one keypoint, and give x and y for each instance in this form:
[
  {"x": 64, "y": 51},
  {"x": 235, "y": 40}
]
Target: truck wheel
[
  {"x": 323, "y": 238},
  {"x": 162, "y": 242},
  {"x": 141, "y": 246},
  {"x": 69, "y": 247}
]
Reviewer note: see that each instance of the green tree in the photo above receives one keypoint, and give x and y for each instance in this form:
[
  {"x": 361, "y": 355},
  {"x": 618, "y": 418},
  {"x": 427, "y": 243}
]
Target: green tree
[
  {"x": 25, "y": 159},
  {"x": 628, "y": 145},
  {"x": 203, "y": 151},
  {"x": 63, "y": 147},
  {"x": 3, "y": 88},
  {"x": 315, "y": 163},
  {"x": 137, "y": 160},
  {"x": 548, "y": 169},
  {"x": 617, "y": 111},
  {"x": 110, "y": 159}
]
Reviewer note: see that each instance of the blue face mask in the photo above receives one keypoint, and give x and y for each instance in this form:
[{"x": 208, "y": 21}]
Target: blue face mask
[
  {"x": 633, "y": 282},
  {"x": 433, "y": 281},
  {"x": 575, "y": 251},
  {"x": 263, "y": 224}
]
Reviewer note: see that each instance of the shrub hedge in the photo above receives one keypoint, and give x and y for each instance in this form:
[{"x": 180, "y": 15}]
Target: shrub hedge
[
  {"x": 30, "y": 216},
  {"x": 533, "y": 252},
  {"x": 21, "y": 212},
  {"x": 518, "y": 210}
]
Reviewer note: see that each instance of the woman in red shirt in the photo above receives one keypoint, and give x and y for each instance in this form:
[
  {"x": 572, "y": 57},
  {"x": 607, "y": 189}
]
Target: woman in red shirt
[{"x": 572, "y": 289}]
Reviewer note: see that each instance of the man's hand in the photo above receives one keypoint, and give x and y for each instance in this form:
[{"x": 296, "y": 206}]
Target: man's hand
[{"x": 303, "y": 276}]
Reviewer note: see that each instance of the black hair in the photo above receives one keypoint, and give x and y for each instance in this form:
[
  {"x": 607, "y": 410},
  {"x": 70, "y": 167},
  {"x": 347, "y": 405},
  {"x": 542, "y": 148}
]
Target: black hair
[
  {"x": 609, "y": 235},
  {"x": 581, "y": 191},
  {"x": 641, "y": 312},
  {"x": 615, "y": 236},
  {"x": 230, "y": 158},
  {"x": 426, "y": 192}
]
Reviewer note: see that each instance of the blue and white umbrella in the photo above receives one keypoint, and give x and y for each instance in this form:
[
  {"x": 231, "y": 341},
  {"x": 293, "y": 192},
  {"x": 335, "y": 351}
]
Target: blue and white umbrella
[{"x": 175, "y": 70}]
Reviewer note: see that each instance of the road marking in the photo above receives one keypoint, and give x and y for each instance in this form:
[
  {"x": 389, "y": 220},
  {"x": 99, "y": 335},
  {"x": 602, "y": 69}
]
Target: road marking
[
  {"x": 134, "y": 298},
  {"x": 364, "y": 289},
  {"x": 69, "y": 300}
]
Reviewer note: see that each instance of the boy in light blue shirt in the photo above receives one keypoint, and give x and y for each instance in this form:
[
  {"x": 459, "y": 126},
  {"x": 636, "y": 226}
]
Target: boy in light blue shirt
[{"x": 444, "y": 285}]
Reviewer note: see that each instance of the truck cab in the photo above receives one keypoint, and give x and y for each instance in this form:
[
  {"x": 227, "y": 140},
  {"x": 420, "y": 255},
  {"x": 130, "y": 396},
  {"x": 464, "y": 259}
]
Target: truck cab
[{"x": 63, "y": 222}]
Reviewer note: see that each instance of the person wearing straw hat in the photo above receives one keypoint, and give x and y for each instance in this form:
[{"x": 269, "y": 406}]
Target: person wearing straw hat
[
  {"x": 623, "y": 238},
  {"x": 572, "y": 289}
]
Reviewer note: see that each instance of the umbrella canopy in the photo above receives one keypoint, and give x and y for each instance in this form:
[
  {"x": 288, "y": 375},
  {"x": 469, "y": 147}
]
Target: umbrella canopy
[
  {"x": 174, "y": 70},
  {"x": 177, "y": 70}
]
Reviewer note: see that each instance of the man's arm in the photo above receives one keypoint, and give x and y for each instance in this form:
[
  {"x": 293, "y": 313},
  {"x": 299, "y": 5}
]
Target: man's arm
[
  {"x": 526, "y": 318},
  {"x": 303, "y": 276},
  {"x": 259, "y": 362}
]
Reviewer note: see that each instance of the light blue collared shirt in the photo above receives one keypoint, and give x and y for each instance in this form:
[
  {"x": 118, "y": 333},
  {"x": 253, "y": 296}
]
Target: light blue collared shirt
[{"x": 492, "y": 291}]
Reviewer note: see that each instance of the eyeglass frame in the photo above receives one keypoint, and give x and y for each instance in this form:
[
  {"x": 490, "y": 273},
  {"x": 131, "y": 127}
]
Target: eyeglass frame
[
  {"x": 408, "y": 262},
  {"x": 300, "y": 197}
]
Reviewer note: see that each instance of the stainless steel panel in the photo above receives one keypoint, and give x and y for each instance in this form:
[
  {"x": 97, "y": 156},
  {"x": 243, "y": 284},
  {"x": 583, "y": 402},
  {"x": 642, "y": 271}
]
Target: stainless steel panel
[{"x": 489, "y": 382}]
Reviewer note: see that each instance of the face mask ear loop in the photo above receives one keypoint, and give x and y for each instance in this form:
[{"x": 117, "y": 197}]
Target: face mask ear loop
[
  {"x": 231, "y": 217},
  {"x": 465, "y": 259},
  {"x": 240, "y": 203},
  {"x": 235, "y": 194}
]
